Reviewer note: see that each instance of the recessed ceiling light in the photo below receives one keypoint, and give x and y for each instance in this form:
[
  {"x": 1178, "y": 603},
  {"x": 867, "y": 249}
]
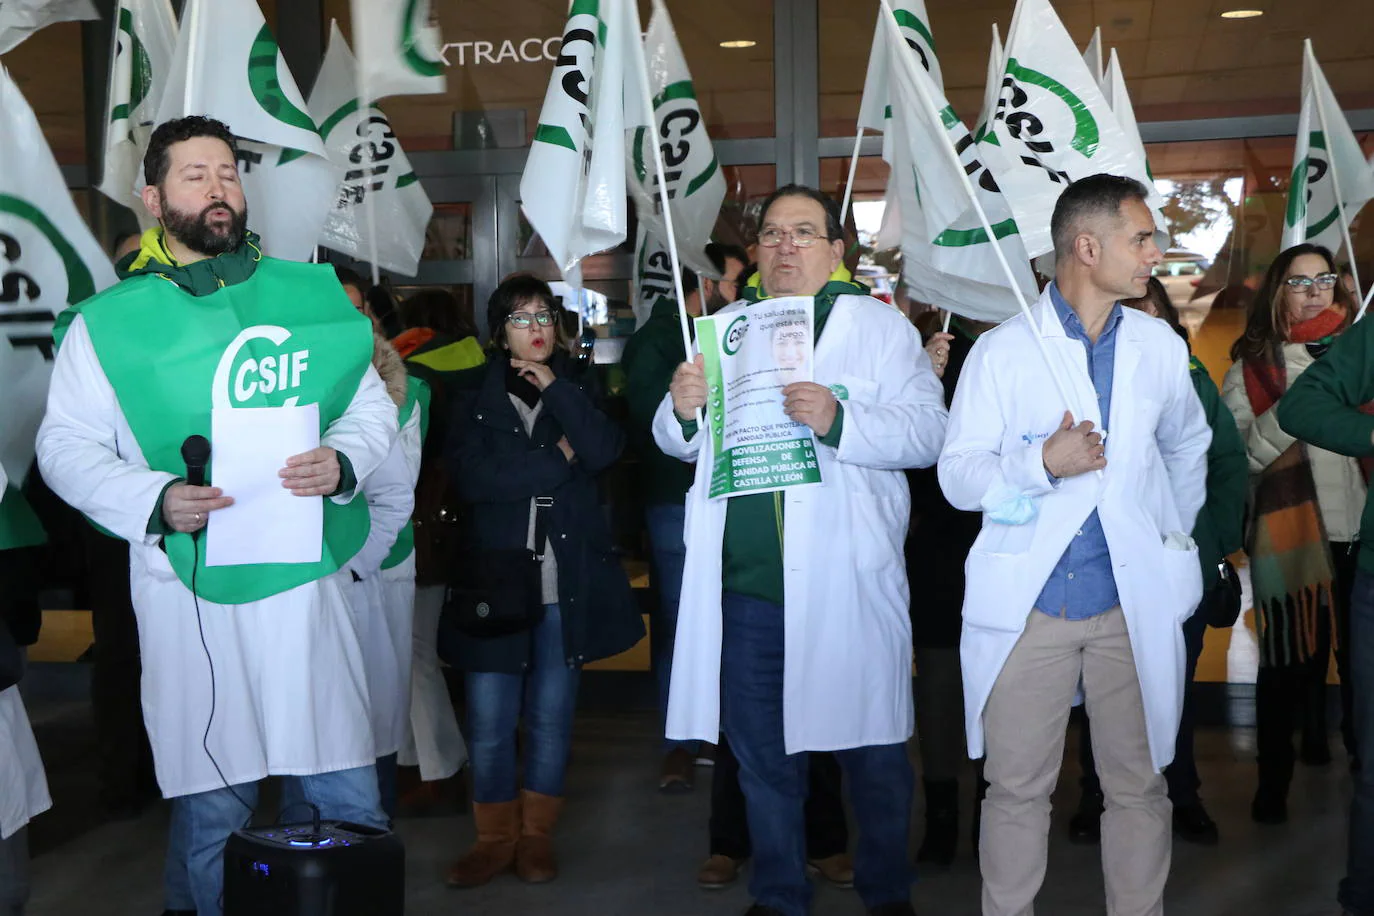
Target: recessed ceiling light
[
  {"x": 1242, "y": 14},
  {"x": 739, "y": 43}
]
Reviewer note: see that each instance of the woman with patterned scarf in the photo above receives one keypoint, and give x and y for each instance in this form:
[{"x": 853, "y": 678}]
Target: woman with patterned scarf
[{"x": 1304, "y": 519}]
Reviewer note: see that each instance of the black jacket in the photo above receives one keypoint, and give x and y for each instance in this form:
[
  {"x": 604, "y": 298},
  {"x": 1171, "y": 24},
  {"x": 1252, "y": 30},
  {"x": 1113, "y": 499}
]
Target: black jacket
[{"x": 498, "y": 468}]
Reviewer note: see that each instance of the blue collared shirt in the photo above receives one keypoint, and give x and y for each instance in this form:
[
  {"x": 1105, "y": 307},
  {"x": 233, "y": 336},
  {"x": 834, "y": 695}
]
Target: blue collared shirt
[{"x": 1082, "y": 584}]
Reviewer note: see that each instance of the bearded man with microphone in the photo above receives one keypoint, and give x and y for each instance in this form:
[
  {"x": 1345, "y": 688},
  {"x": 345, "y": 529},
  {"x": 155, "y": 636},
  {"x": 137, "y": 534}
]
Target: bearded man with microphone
[{"x": 249, "y": 669}]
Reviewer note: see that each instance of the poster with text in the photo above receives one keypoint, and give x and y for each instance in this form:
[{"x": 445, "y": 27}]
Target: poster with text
[{"x": 751, "y": 356}]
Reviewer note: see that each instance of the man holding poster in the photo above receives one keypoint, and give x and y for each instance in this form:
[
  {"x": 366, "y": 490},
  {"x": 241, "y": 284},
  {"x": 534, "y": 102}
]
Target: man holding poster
[
  {"x": 793, "y": 620},
  {"x": 251, "y": 667}
]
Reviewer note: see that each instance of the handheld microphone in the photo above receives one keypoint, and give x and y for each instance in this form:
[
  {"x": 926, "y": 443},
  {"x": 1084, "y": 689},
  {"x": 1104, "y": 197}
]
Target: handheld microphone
[{"x": 195, "y": 451}]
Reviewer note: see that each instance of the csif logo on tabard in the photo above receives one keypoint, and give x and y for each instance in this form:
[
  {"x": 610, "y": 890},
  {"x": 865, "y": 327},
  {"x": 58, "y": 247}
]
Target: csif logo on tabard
[{"x": 245, "y": 372}]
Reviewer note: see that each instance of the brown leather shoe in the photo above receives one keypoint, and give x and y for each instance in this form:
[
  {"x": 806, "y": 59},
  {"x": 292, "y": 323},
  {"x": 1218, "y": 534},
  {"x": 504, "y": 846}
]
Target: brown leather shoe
[
  {"x": 676, "y": 775},
  {"x": 837, "y": 869},
  {"x": 534, "y": 861},
  {"x": 498, "y": 830},
  {"x": 718, "y": 871}
]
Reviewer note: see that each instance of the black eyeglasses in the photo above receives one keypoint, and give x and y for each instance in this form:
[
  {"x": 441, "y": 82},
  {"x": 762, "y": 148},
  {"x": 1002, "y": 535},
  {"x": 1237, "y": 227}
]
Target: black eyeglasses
[{"x": 522, "y": 320}]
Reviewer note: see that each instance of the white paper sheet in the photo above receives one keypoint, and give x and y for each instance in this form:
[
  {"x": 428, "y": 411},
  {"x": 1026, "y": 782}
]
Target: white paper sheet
[{"x": 266, "y": 523}]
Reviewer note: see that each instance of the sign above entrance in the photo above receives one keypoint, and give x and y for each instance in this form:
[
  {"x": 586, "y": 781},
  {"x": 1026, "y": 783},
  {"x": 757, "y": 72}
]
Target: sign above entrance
[{"x": 513, "y": 51}]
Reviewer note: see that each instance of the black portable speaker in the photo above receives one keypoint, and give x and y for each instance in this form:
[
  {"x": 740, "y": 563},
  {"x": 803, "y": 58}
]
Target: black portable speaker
[{"x": 339, "y": 869}]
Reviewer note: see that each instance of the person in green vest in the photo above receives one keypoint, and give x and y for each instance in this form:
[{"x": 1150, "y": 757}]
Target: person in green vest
[{"x": 251, "y": 668}]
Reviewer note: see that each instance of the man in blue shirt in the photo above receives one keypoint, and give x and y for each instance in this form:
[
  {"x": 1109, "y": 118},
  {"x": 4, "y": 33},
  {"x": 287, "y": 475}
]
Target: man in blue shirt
[{"x": 1083, "y": 568}]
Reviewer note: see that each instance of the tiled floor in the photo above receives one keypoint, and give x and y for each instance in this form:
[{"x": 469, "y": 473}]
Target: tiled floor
[{"x": 625, "y": 849}]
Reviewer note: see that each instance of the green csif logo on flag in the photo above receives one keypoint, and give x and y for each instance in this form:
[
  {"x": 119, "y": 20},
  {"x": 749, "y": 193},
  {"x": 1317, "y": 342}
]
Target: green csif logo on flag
[
  {"x": 140, "y": 68},
  {"x": 18, "y": 284},
  {"x": 583, "y": 37},
  {"x": 418, "y": 16}
]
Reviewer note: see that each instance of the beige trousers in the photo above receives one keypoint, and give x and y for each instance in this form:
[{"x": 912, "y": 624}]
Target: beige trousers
[{"x": 1025, "y": 721}]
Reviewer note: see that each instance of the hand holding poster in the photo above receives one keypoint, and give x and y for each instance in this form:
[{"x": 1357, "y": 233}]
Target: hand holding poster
[{"x": 751, "y": 356}]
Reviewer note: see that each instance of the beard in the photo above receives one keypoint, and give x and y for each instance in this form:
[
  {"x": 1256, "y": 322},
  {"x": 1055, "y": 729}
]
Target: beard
[{"x": 195, "y": 232}]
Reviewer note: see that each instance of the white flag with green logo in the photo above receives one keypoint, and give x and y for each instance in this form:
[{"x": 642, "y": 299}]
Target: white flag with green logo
[
  {"x": 400, "y": 206},
  {"x": 1052, "y": 125},
  {"x": 696, "y": 185},
  {"x": 992, "y": 88},
  {"x": 21, "y": 18},
  {"x": 1326, "y": 156},
  {"x": 228, "y": 58},
  {"x": 653, "y": 275},
  {"x": 574, "y": 186},
  {"x": 48, "y": 260},
  {"x": 399, "y": 47},
  {"x": 947, "y": 257},
  {"x": 875, "y": 108},
  {"x": 145, "y": 39}
]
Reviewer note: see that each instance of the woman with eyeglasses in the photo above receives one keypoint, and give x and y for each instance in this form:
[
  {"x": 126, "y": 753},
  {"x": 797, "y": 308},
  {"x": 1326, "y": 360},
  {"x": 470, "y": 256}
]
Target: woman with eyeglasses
[
  {"x": 527, "y": 428},
  {"x": 1304, "y": 519}
]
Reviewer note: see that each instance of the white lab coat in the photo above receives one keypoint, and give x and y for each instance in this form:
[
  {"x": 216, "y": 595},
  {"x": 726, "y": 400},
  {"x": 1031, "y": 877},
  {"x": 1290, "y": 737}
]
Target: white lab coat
[
  {"x": 23, "y": 785},
  {"x": 1155, "y": 482},
  {"x": 847, "y": 661},
  {"x": 289, "y": 690},
  {"x": 383, "y": 606}
]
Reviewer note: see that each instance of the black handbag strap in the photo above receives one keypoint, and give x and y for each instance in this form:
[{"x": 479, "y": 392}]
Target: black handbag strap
[{"x": 542, "y": 505}]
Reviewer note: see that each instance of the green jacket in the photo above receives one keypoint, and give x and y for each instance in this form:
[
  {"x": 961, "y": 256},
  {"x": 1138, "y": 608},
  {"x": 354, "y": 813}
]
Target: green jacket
[
  {"x": 1323, "y": 408},
  {"x": 1218, "y": 528},
  {"x": 651, "y": 357}
]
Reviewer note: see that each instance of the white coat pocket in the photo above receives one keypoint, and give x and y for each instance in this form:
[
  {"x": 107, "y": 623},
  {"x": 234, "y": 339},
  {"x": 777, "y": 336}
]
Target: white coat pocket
[
  {"x": 993, "y": 587},
  {"x": 1181, "y": 571}
]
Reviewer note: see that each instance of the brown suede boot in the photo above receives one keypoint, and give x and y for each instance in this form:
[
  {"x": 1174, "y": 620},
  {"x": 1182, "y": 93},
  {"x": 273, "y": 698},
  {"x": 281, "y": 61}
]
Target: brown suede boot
[
  {"x": 498, "y": 831},
  {"x": 534, "y": 860}
]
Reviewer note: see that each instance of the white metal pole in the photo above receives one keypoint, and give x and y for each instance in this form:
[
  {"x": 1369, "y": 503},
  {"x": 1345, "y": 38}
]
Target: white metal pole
[
  {"x": 948, "y": 315},
  {"x": 934, "y": 117},
  {"x": 642, "y": 74},
  {"x": 1364, "y": 307},
  {"x": 192, "y": 55},
  {"x": 849, "y": 185}
]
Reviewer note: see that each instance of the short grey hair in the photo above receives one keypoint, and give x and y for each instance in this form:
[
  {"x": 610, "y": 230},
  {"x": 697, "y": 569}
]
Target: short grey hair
[{"x": 1094, "y": 196}]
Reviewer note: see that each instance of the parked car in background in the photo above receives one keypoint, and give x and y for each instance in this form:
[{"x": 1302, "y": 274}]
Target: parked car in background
[{"x": 1181, "y": 272}]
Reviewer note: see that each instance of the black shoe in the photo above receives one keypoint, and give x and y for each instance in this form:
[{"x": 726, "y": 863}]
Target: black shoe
[
  {"x": 1192, "y": 823},
  {"x": 759, "y": 909},
  {"x": 895, "y": 908},
  {"x": 1085, "y": 827},
  {"x": 1269, "y": 807},
  {"x": 942, "y": 823}
]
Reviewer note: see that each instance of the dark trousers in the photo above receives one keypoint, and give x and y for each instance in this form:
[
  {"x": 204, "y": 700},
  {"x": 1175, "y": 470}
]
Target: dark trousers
[
  {"x": 1291, "y": 696},
  {"x": 1357, "y": 889},
  {"x": 776, "y": 783},
  {"x": 125, "y": 757},
  {"x": 1181, "y": 774},
  {"x": 827, "y": 833}
]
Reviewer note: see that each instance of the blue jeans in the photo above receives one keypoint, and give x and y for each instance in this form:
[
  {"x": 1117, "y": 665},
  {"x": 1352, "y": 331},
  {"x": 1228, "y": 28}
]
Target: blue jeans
[
  {"x": 669, "y": 552},
  {"x": 495, "y": 708},
  {"x": 204, "y": 821},
  {"x": 775, "y": 782},
  {"x": 176, "y": 880},
  {"x": 1357, "y": 889}
]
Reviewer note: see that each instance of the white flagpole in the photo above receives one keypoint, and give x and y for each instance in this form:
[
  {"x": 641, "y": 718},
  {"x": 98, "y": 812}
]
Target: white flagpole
[
  {"x": 192, "y": 55},
  {"x": 853, "y": 170},
  {"x": 934, "y": 117},
  {"x": 1335, "y": 180},
  {"x": 1365, "y": 306},
  {"x": 948, "y": 315},
  {"x": 642, "y": 73}
]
